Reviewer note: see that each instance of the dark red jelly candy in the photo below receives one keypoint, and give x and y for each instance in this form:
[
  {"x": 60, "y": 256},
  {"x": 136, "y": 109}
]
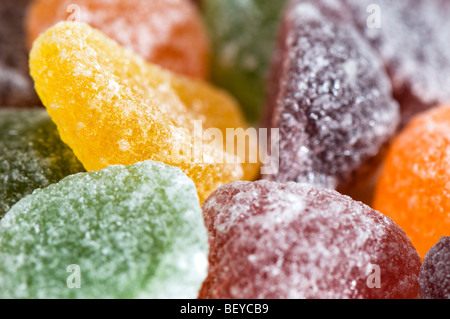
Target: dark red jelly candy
[
  {"x": 434, "y": 279},
  {"x": 272, "y": 240},
  {"x": 16, "y": 85},
  {"x": 330, "y": 98}
]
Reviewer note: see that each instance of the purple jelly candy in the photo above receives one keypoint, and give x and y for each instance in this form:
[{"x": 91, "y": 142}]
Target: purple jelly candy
[
  {"x": 330, "y": 98},
  {"x": 434, "y": 278},
  {"x": 412, "y": 39}
]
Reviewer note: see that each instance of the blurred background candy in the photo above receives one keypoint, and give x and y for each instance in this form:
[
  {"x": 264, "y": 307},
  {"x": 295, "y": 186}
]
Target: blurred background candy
[
  {"x": 243, "y": 35},
  {"x": 168, "y": 33},
  {"x": 412, "y": 39},
  {"x": 32, "y": 155},
  {"x": 16, "y": 85},
  {"x": 434, "y": 279}
]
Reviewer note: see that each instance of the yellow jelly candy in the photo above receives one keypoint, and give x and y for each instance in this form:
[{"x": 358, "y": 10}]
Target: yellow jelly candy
[{"x": 112, "y": 107}]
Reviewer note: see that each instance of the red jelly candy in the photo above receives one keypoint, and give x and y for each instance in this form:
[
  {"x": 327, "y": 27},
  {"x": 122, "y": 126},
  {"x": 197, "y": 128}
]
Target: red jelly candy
[{"x": 271, "y": 240}]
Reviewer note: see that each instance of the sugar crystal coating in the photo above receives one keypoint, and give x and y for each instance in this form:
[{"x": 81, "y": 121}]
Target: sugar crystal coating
[
  {"x": 16, "y": 86},
  {"x": 412, "y": 41},
  {"x": 414, "y": 187},
  {"x": 272, "y": 240},
  {"x": 398, "y": 32},
  {"x": 330, "y": 98},
  {"x": 167, "y": 33},
  {"x": 32, "y": 155},
  {"x": 434, "y": 278},
  {"x": 111, "y": 107},
  {"x": 133, "y": 232},
  {"x": 243, "y": 34}
]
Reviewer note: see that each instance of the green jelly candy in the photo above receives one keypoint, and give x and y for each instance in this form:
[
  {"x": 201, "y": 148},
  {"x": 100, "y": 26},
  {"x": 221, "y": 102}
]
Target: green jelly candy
[
  {"x": 243, "y": 35},
  {"x": 32, "y": 155},
  {"x": 122, "y": 232}
]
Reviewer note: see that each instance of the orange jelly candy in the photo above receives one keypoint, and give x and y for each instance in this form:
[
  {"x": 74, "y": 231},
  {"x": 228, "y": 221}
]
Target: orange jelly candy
[
  {"x": 414, "y": 189},
  {"x": 111, "y": 107},
  {"x": 168, "y": 33}
]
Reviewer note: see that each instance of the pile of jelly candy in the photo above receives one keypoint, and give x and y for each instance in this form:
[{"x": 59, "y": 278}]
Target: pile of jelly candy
[{"x": 219, "y": 149}]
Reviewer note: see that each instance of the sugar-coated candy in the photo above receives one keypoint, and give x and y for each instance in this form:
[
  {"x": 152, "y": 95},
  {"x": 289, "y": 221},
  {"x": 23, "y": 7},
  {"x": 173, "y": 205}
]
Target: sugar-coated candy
[
  {"x": 32, "y": 155},
  {"x": 243, "y": 34},
  {"x": 330, "y": 98},
  {"x": 16, "y": 86},
  {"x": 167, "y": 33},
  {"x": 397, "y": 31},
  {"x": 434, "y": 278},
  {"x": 411, "y": 37},
  {"x": 123, "y": 232},
  {"x": 111, "y": 107},
  {"x": 273, "y": 240},
  {"x": 414, "y": 188}
]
